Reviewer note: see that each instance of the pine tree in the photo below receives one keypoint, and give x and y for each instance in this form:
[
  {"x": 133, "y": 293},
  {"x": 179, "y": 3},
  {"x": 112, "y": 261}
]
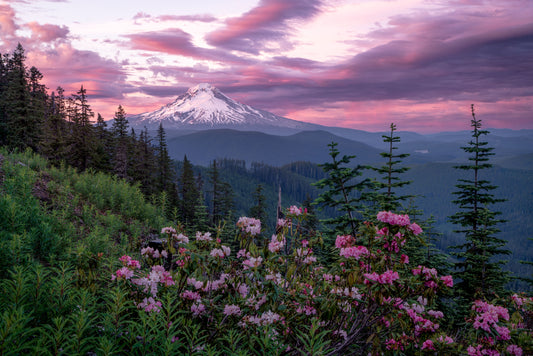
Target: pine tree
[
  {"x": 343, "y": 192},
  {"x": 189, "y": 194},
  {"x": 258, "y": 211},
  {"x": 384, "y": 197},
  {"x": 119, "y": 129},
  {"x": 164, "y": 176},
  {"x": 54, "y": 136},
  {"x": 144, "y": 165},
  {"x": 479, "y": 269},
  {"x": 222, "y": 196},
  {"x": 21, "y": 124},
  {"x": 82, "y": 141},
  {"x": 103, "y": 141}
]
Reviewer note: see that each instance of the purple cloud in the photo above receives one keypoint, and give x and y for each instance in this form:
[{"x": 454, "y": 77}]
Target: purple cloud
[{"x": 265, "y": 23}]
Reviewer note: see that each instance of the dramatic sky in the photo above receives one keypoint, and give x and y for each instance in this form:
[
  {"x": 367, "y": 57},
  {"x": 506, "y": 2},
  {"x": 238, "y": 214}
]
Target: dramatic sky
[{"x": 352, "y": 63}]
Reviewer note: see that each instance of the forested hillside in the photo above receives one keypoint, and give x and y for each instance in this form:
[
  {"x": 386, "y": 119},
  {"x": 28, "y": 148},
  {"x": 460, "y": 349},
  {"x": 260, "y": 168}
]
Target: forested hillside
[{"x": 108, "y": 246}]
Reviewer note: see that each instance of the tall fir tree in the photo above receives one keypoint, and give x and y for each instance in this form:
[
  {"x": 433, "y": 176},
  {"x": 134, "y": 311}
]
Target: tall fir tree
[
  {"x": 121, "y": 142},
  {"x": 479, "y": 268},
  {"x": 342, "y": 192},
  {"x": 258, "y": 211},
  {"x": 82, "y": 139},
  {"x": 54, "y": 136},
  {"x": 385, "y": 197},
  {"x": 163, "y": 172},
  {"x": 21, "y": 119},
  {"x": 189, "y": 194}
]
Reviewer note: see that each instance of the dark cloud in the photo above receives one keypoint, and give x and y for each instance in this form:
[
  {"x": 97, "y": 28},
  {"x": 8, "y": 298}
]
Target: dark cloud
[{"x": 266, "y": 23}]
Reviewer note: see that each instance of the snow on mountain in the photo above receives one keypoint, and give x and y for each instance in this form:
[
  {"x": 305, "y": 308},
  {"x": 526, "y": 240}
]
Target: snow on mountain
[{"x": 206, "y": 107}]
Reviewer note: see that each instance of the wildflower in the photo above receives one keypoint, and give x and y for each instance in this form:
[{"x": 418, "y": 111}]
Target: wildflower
[
  {"x": 253, "y": 262},
  {"x": 168, "y": 230},
  {"x": 415, "y": 229},
  {"x": 250, "y": 225},
  {"x": 355, "y": 252},
  {"x": 344, "y": 241},
  {"x": 514, "y": 350},
  {"x": 232, "y": 310},
  {"x": 216, "y": 252},
  {"x": 393, "y": 219},
  {"x": 197, "y": 308},
  {"x": 182, "y": 239},
  {"x": 448, "y": 280},
  {"x": 276, "y": 244},
  {"x": 428, "y": 344},
  {"x": 190, "y": 295},
  {"x": 294, "y": 210},
  {"x": 149, "y": 305},
  {"x": 404, "y": 259},
  {"x": 203, "y": 237}
]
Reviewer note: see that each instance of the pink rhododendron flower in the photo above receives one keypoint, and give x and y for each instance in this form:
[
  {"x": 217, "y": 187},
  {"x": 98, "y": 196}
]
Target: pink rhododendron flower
[
  {"x": 355, "y": 251},
  {"x": 344, "y": 241},
  {"x": 232, "y": 310},
  {"x": 203, "y": 237},
  {"x": 415, "y": 229},
  {"x": 276, "y": 244},
  {"x": 404, "y": 259},
  {"x": 445, "y": 339},
  {"x": 168, "y": 230},
  {"x": 250, "y": 225},
  {"x": 514, "y": 350},
  {"x": 123, "y": 273},
  {"x": 197, "y": 309},
  {"x": 216, "y": 252},
  {"x": 428, "y": 345},
  {"x": 182, "y": 239},
  {"x": 253, "y": 262},
  {"x": 150, "y": 305},
  {"x": 190, "y": 295},
  {"x": 294, "y": 210},
  {"x": 393, "y": 219},
  {"x": 386, "y": 278},
  {"x": 448, "y": 280}
]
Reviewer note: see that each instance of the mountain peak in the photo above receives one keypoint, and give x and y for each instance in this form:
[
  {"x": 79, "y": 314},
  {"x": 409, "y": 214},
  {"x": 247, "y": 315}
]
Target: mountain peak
[
  {"x": 200, "y": 87},
  {"x": 204, "y": 107}
]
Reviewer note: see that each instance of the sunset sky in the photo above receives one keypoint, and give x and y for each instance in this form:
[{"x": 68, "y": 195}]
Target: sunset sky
[{"x": 360, "y": 64}]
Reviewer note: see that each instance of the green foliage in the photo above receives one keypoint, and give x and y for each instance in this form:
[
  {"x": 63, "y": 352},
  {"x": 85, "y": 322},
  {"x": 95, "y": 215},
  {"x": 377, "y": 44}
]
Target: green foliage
[
  {"x": 343, "y": 192},
  {"x": 479, "y": 268},
  {"x": 385, "y": 197}
]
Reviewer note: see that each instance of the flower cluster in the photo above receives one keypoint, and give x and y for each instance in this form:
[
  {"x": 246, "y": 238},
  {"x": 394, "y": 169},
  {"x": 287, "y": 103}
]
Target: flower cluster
[{"x": 276, "y": 289}]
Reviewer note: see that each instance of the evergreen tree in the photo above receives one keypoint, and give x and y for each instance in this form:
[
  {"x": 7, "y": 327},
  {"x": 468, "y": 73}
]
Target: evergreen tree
[
  {"x": 384, "y": 197},
  {"x": 222, "y": 196},
  {"x": 478, "y": 269},
  {"x": 54, "y": 136},
  {"x": 144, "y": 165},
  {"x": 164, "y": 176},
  {"x": 343, "y": 192},
  {"x": 119, "y": 129},
  {"x": 82, "y": 140},
  {"x": 103, "y": 140},
  {"x": 258, "y": 211},
  {"x": 189, "y": 194},
  {"x": 21, "y": 124}
]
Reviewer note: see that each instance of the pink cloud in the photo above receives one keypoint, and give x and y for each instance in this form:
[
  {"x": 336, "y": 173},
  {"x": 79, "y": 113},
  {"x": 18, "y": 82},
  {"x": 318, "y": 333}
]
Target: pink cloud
[
  {"x": 266, "y": 22},
  {"x": 178, "y": 42},
  {"x": 8, "y": 26},
  {"x": 47, "y": 32}
]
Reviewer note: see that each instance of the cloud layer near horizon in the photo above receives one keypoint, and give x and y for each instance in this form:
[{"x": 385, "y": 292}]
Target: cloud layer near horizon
[{"x": 420, "y": 69}]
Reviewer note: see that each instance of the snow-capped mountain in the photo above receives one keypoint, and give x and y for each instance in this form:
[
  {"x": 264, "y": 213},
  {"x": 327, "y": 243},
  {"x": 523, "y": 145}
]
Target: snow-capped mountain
[{"x": 206, "y": 107}]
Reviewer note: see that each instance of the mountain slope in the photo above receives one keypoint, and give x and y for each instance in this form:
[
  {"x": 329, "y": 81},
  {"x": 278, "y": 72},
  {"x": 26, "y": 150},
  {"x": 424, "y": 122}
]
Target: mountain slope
[
  {"x": 204, "y": 146},
  {"x": 205, "y": 107}
]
